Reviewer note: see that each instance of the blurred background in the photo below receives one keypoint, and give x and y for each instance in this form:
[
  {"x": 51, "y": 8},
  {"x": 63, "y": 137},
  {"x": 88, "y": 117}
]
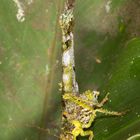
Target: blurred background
[{"x": 107, "y": 55}]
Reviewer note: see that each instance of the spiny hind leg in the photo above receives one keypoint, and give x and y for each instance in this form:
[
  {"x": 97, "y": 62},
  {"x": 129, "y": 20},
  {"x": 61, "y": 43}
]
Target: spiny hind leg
[
  {"x": 87, "y": 133},
  {"x": 114, "y": 113}
]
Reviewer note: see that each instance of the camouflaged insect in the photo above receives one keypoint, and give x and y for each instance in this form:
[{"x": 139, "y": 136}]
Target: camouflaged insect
[
  {"x": 79, "y": 110},
  {"x": 83, "y": 112}
]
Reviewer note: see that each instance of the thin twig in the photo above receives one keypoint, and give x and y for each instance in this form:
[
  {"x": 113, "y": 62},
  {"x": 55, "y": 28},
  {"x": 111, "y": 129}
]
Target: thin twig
[{"x": 69, "y": 84}]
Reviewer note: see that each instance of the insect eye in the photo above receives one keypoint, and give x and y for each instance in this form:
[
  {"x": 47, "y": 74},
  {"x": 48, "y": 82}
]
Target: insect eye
[{"x": 96, "y": 94}]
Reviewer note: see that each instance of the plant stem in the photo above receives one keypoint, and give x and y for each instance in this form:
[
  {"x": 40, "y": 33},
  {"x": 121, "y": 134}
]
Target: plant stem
[{"x": 69, "y": 84}]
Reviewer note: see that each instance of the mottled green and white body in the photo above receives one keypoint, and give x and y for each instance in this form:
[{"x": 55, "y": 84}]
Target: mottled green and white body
[{"x": 84, "y": 112}]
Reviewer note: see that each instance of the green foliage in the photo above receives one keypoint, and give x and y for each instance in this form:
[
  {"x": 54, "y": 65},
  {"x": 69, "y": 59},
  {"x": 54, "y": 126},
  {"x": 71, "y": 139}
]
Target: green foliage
[{"x": 107, "y": 58}]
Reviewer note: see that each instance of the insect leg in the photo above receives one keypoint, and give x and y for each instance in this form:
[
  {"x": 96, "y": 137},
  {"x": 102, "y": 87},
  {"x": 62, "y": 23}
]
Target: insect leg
[
  {"x": 105, "y": 111},
  {"x": 105, "y": 99},
  {"x": 87, "y": 133}
]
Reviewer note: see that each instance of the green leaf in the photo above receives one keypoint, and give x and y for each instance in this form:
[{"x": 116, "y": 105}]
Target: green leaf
[{"x": 107, "y": 53}]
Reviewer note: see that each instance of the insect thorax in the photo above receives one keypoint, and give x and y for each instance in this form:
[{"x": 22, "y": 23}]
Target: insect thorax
[{"x": 78, "y": 109}]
